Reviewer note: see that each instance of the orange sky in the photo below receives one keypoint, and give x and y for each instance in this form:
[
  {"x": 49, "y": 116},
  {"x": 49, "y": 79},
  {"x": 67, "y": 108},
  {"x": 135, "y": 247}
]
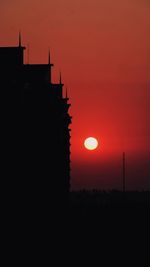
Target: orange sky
[{"x": 103, "y": 50}]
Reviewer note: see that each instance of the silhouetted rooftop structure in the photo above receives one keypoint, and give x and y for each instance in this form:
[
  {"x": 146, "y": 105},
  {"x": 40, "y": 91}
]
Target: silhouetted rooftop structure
[{"x": 36, "y": 134}]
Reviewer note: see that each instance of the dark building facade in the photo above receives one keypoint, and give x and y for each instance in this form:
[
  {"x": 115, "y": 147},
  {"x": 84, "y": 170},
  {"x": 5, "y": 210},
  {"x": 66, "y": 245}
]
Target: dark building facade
[{"x": 36, "y": 133}]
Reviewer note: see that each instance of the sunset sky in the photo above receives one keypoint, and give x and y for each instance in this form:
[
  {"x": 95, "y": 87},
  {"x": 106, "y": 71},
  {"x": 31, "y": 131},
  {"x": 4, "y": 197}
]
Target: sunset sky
[{"x": 102, "y": 48}]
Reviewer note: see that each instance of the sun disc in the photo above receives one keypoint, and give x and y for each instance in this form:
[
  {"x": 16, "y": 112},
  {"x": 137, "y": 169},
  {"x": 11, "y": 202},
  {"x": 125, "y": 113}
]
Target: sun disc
[{"x": 91, "y": 143}]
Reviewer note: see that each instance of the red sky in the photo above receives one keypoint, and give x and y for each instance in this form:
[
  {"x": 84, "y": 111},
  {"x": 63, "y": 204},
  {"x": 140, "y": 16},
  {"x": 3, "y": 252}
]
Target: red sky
[{"x": 103, "y": 50}]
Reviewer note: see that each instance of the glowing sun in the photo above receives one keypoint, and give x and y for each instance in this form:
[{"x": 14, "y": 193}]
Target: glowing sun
[{"x": 91, "y": 143}]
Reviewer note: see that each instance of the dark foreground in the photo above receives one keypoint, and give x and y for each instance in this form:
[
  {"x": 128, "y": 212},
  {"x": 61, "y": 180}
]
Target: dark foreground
[
  {"x": 107, "y": 212},
  {"x": 91, "y": 226},
  {"x": 110, "y": 224},
  {"x": 104, "y": 208},
  {"x": 97, "y": 200}
]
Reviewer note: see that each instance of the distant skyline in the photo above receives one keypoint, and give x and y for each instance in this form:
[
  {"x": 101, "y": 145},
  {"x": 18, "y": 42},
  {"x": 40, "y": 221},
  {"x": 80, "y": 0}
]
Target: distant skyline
[{"x": 103, "y": 51}]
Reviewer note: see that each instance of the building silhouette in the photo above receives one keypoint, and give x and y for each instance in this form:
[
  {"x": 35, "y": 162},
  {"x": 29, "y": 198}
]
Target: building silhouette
[{"x": 35, "y": 129}]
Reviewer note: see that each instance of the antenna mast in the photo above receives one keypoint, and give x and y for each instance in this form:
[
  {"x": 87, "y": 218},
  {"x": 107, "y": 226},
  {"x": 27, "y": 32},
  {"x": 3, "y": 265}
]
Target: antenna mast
[
  {"x": 28, "y": 54},
  {"x": 123, "y": 172}
]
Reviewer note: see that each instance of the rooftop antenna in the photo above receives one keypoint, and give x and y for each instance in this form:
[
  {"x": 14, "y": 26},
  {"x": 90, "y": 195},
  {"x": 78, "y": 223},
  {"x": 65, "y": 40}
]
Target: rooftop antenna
[
  {"x": 19, "y": 38},
  {"x": 49, "y": 57},
  {"x": 60, "y": 80},
  {"x": 28, "y": 54},
  {"x": 123, "y": 172}
]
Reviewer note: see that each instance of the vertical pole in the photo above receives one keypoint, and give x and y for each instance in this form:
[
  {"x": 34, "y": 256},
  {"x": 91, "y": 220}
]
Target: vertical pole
[
  {"x": 28, "y": 51},
  {"x": 123, "y": 169},
  {"x": 19, "y": 38}
]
